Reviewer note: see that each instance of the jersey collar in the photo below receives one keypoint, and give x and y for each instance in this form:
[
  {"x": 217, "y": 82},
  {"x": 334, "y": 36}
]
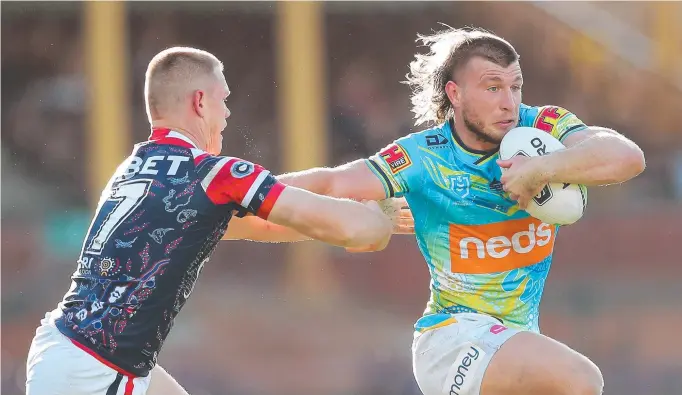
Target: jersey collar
[
  {"x": 460, "y": 143},
  {"x": 169, "y": 136}
]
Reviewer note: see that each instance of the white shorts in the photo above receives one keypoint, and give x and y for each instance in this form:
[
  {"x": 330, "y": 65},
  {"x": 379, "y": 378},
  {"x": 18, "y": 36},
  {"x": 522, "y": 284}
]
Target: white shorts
[
  {"x": 451, "y": 360},
  {"x": 56, "y": 366}
]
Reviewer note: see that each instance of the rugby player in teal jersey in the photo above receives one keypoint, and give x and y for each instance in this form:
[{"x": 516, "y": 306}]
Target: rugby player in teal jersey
[{"x": 488, "y": 259}]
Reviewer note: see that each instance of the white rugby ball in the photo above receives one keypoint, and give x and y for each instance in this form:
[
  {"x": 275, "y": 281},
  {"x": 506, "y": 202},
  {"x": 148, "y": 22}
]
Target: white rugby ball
[{"x": 557, "y": 204}]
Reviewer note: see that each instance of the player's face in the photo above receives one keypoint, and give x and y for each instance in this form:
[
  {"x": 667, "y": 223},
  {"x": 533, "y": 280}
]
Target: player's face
[
  {"x": 217, "y": 114},
  {"x": 490, "y": 98}
]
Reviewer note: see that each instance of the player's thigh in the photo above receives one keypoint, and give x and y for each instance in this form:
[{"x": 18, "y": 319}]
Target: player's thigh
[
  {"x": 533, "y": 364},
  {"x": 163, "y": 383},
  {"x": 452, "y": 359}
]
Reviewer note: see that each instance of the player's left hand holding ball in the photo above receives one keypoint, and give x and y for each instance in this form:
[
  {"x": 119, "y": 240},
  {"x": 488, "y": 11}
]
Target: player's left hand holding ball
[{"x": 523, "y": 178}]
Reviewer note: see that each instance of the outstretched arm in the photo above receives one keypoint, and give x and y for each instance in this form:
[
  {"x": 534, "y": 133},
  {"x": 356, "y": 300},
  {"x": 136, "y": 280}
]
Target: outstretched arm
[
  {"x": 341, "y": 222},
  {"x": 248, "y": 187},
  {"x": 354, "y": 180},
  {"x": 254, "y": 228}
]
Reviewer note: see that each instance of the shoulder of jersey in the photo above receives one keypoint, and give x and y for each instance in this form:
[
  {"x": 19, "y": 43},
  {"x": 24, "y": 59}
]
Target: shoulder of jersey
[
  {"x": 527, "y": 114},
  {"x": 539, "y": 116},
  {"x": 196, "y": 153},
  {"x": 432, "y": 138}
]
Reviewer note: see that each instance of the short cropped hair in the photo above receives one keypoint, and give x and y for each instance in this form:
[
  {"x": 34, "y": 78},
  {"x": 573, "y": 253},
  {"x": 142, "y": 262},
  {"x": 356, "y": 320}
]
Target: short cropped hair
[
  {"x": 174, "y": 73},
  {"x": 450, "y": 51}
]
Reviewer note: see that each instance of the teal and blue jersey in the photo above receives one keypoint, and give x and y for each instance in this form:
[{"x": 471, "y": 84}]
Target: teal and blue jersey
[{"x": 484, "y": 254}]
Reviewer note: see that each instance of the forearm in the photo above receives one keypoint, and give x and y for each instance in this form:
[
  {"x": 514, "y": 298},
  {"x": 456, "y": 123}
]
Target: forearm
[
  {"x": 345, "y": 223},
  {"x": 257, "y": 229},
  {"x": 604, "y": 157},
  {"x": 273, "y": 233}
]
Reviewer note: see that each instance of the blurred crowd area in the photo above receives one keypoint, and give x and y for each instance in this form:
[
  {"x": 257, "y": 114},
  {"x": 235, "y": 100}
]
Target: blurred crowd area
[{"x": 614, "y": 291}]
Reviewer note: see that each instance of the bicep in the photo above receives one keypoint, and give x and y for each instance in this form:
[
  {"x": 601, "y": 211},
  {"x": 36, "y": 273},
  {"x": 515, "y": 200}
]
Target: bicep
[
  {"x": 357, "y": 180},
  {"x": 585, "y": 134}
]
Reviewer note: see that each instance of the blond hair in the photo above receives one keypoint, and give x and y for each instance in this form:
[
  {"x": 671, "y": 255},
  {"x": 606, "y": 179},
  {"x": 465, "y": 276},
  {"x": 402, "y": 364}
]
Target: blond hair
[
  {"x": 173, "y": 74},
  {"x": 450, "y": 51}
]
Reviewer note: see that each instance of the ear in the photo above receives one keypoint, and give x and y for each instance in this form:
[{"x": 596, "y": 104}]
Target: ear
[
  {"x": 199, "y": 102},
  {"x": 454, "y": 93}
]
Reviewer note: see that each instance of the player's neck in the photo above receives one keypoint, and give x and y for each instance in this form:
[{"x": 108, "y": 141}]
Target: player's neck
[
  {"x": 196, "y": 138},
  {"x": 471, "y": 140}
]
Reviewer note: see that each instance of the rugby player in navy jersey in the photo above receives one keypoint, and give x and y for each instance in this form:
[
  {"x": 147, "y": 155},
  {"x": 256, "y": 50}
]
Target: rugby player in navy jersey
[{"x": 157, "y": 223}]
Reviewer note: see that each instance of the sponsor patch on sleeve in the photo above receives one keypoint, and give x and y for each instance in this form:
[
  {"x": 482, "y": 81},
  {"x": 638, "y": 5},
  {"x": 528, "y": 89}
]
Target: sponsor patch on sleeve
[
  {"x": 396, "y": 158},
  {"x": 558, "y": 121}
]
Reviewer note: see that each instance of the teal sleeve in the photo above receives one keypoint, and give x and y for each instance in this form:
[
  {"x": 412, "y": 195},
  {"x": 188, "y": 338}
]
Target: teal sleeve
[
  {"x": 554, "y": 120},
  {"x": 396, "y": 168}
]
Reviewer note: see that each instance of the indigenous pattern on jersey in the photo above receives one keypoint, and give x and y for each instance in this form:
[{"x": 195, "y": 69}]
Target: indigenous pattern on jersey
[
  {"x": 484, "y": 254},
  {"x": 157, "y": 223}
]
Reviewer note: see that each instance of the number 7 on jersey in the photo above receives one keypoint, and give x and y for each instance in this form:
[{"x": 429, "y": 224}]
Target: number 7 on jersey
[{"x": 126, "y": 197}]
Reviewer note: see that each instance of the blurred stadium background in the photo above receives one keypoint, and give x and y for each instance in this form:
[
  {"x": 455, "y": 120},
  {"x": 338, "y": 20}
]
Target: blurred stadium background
[{"x": 318, "y": 84}]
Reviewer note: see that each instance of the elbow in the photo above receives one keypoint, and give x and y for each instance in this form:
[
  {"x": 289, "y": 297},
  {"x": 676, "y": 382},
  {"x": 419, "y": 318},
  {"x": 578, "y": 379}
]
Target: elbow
[
  {"x": 633, "y": 162},
  {"x": 327, "y": 182}
]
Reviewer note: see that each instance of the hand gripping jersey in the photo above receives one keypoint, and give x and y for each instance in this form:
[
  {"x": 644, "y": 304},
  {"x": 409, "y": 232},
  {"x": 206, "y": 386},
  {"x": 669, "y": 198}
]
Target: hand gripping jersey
[
  {"x": 157, "y": 223},
  {"x": 484, "y": 254}
]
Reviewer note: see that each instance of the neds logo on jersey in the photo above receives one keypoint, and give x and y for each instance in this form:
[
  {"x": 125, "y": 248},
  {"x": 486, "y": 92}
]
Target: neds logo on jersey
[{"x": 499, "y": 247}]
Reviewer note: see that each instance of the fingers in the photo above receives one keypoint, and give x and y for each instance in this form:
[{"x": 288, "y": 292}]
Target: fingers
[
  {"x": 505, "y": 164},
  {"x": 403, "y": 229},
  {"x": 392, "y": 206},
  {"x": 523, "y": 203},
  {"x": 406, "y": 219},
  {"x": 405, "y": 213},
  {"x": 405, "y": 223},
  {"x": 400, "y": 214},
  {"x": 401, "y": 202}
]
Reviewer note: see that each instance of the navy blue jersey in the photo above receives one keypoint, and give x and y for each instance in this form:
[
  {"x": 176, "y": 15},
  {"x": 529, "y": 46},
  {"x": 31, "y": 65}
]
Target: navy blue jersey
[{"x": 157, "y": 223}]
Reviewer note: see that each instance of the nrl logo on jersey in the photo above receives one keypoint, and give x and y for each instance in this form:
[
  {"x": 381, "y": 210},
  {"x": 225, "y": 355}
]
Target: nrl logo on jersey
[{"x": 461, "y": 185}]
